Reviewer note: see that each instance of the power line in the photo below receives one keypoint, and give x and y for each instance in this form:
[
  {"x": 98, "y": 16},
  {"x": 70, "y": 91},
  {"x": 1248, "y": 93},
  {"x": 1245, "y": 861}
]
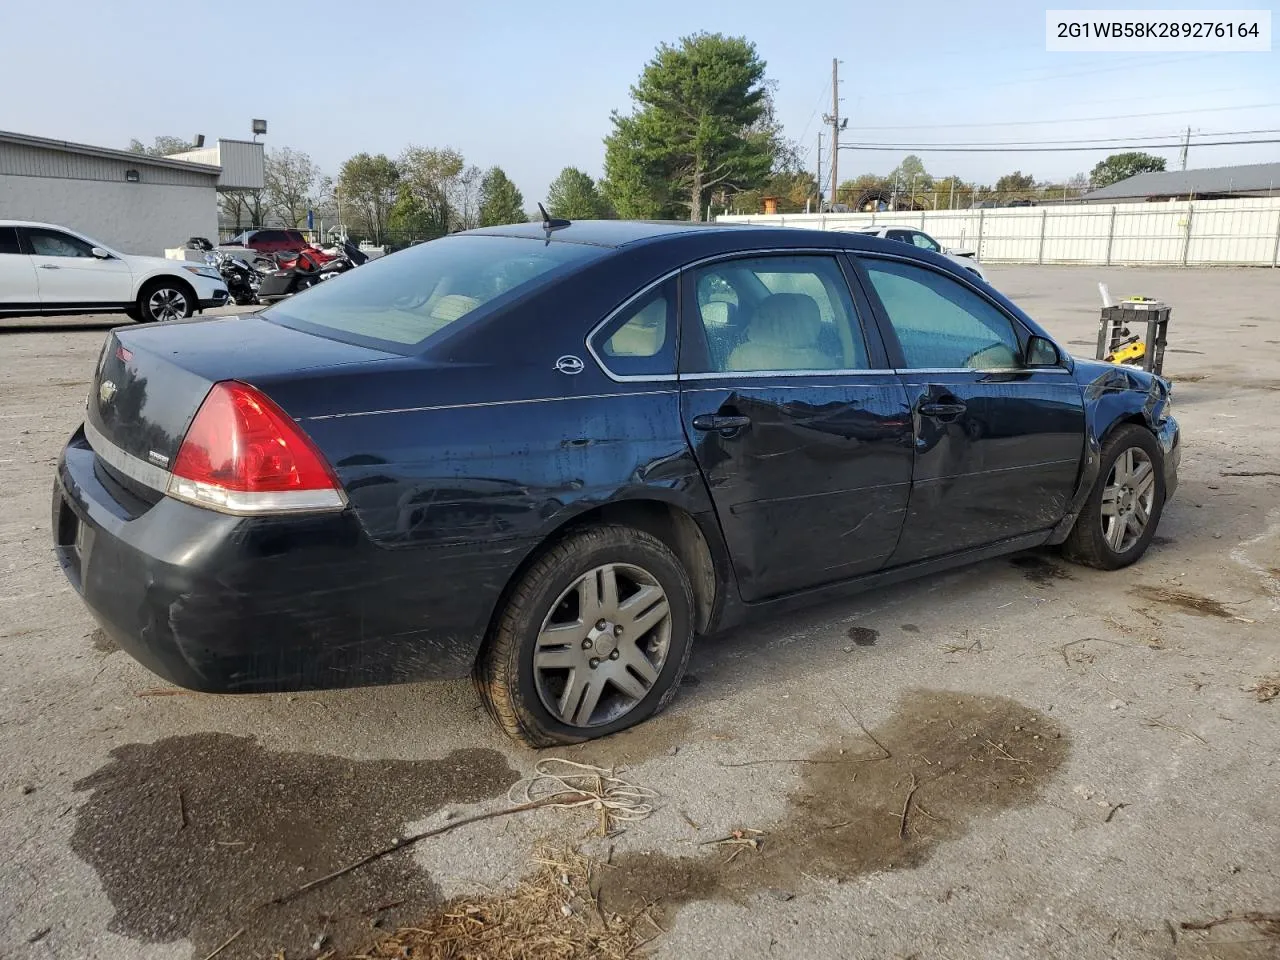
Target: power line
[
  {"x": 1125, "y": 64},
  {"x": 816, "y": 107},
  {"x": 1118, "y": 116},
  {"x": 1078, "y": 141},
  {"x": 943, "y": 148}
]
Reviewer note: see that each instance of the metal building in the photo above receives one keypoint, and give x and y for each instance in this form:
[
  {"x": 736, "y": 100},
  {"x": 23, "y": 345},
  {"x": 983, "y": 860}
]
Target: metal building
[
  {"x": 1209, "y": 183},
  {"x": 130, "y": 201}
]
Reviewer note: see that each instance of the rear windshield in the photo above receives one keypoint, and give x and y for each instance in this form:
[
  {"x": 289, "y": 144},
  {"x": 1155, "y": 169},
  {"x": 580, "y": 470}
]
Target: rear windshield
[{"x": 400, "y": 300}]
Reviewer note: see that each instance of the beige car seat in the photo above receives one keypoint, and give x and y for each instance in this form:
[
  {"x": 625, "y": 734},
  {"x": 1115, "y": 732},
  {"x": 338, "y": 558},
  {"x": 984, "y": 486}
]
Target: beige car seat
[{"x": 783, "y": 335}]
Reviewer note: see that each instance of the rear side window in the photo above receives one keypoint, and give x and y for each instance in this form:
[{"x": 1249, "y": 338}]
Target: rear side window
[
  {"x": 9, "y": 240},
  {"x": 777, "y": 315},
  {"x": 640, "y": 339},
  {"x": 400, "y": 300}
]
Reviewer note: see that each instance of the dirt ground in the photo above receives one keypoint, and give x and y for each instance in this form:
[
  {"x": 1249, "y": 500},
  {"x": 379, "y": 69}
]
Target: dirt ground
[{"x": 1019, "y": 759}]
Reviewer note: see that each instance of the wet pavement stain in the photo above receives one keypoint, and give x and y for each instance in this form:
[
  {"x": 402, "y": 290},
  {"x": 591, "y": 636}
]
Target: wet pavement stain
[
  {"x": 908, "y": 628},
  {"x": 1190, "y": 602},
  {"x": 101, "y": 642},
  {"x": 191, "y": 835},
  {"x": 952, "y": 758},
  {"x": 864, "y": 636},
  {"x": 1160, "y": 540},
  {"x": 1036, "y": 569}
]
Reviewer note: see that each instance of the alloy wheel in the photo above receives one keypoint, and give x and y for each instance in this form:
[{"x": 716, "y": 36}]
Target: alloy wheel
[
  {"x": 1128, "y": 499},
  {"x": 167, "y": 304},
  {"x": 601, "y": 648}
]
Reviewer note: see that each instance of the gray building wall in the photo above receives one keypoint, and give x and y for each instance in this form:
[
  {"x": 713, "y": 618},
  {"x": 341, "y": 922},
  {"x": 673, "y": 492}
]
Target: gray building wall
[{"x": 91, "y": 195}]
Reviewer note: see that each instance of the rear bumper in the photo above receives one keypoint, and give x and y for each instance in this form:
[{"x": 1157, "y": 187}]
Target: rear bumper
[{"x": 231, "y": 604}]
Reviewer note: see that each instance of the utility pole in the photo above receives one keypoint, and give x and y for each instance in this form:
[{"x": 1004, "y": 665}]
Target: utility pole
[
  {"x": 833, "y": 118},
  {"x": 1186, "y": 145},
  {"x": 819, "y": 176}
]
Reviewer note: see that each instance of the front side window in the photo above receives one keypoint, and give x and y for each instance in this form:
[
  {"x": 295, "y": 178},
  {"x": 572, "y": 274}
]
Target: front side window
[
  {"x": 940, "y": 323},
  {"x": 9, "y": 240},
  {"x": 925, "y": 241},
  {"x": 54, "y": 243},
  {"x": 640, "y": 340},
  {"x": 784, "y": 314},
  {"x": 399, "y": 300}
]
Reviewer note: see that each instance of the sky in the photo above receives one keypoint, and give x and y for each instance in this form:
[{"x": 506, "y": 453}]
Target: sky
[{"x": 530, "y": 86}]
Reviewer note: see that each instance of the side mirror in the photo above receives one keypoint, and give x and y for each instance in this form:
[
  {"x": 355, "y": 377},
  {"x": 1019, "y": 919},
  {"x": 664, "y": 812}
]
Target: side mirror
[
  {"x": 1042, "y": 353},
  {"x": 100, "y": 253}
]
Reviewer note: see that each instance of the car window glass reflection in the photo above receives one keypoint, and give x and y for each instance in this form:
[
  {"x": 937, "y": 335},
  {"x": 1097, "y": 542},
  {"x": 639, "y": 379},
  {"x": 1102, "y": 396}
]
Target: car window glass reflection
[{"x": 940, "y": 323}]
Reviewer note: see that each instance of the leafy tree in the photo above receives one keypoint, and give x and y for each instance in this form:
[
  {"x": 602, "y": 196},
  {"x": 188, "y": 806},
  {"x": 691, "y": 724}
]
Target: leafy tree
[
  {"x": 500, "y": 201},
  {"x": 792, "y": 188},
  {"x": 573, "y": 195},
  {"x": 948, "y": 191},
  {"x": 370, "y": 185},
  {"x": 1016, "y": 182},
  {"x": 427, "y": 186},
  {"x": 243, "y": 208},
  {"x": 1122, "y": 166},
  {"x": 701, "y": 121},
  {"x": 850, "y": 190},
  {"x": 910, "y": 174},
  {"x": 289, "y": 179},
  {"x": 162, "y": 146},
  {"x": 466, "y": 197}
]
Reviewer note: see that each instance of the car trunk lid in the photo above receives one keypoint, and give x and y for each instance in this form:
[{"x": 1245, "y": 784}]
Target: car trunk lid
[{"x": 151, "y": 380}]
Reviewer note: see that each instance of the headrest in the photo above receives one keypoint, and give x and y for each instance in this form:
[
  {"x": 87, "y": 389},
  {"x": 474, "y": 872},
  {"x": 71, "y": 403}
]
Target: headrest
[{"x": 786, "y": 320}]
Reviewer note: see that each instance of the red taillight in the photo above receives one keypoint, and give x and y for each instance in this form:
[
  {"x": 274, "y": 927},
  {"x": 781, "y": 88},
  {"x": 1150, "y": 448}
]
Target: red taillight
[{"x": 243, "y": 454}]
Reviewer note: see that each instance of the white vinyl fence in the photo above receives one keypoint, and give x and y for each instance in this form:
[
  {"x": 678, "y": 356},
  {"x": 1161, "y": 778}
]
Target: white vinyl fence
[{"x": 1242, "y": 232}]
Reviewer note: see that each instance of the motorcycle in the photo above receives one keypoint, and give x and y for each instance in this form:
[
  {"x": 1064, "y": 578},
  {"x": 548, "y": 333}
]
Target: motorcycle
[
  {"x": 241, "y": 279},
  {"x": 296, "y": 272}
]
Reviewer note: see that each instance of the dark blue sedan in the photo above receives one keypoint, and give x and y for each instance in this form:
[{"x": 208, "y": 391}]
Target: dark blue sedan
[{"x": 551, "y": 455}]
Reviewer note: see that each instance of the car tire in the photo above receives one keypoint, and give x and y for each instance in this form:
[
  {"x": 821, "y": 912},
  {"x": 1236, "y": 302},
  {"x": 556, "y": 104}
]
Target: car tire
[
  {"x": 538, "y": 674},
  {"x": 1104, "y": 535},
  {"x": 162, "y": 300}
]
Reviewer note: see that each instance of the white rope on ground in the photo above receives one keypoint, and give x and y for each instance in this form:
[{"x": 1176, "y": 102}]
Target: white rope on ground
[{"x": 582, "y": 785}]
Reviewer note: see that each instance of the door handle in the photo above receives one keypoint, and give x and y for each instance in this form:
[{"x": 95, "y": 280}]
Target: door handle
[
  {"x": 49, "y": 266},
  {"x": 953, "y": 409},
  {"x": 722, "y": 424}
]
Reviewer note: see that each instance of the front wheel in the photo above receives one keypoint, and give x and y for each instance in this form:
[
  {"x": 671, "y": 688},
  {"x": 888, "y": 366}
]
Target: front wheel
[
  {"x": 593, "y": 639},
  {"x": 1119, "y": 519},
  {"x": 165, "y": 300}
]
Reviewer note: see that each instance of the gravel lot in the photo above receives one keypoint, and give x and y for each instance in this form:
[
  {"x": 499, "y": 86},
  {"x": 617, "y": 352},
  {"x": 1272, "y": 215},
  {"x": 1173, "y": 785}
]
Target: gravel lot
[{"x": 1090, "y": 768}]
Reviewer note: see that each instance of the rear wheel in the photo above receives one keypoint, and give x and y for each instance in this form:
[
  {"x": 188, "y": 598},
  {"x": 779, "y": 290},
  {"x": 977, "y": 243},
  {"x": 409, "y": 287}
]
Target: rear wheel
[
  {"x": 165, "y": 300},
  {"x": 592, "y": 640},
  {"x": 1120, "y": 517}
]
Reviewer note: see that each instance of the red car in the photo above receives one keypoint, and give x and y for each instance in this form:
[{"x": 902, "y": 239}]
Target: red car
[{"x": 270, "y": 241}]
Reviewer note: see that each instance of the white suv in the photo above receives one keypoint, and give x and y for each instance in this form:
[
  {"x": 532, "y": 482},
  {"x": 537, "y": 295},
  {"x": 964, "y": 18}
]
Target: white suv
[{"x": 50, "y": 269}]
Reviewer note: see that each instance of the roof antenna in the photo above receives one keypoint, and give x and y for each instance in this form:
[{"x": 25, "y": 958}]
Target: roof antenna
[{"x": 549, "y": 222}]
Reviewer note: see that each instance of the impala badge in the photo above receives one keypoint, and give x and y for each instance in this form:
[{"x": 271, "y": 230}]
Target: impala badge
[
  {"x": 106, "y": 390},
  {"x": 569, "y": 364}
]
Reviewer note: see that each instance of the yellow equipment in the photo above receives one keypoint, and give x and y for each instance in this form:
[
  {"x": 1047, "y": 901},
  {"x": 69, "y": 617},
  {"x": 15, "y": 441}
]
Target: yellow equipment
[{"x": 1117, "y": 345}]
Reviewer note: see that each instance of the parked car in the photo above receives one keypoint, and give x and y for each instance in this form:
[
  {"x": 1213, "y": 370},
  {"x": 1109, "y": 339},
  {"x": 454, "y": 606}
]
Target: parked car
[
  {"x": 269, "y": 241},
  {"x": 966, "y": 258},
  {"x": 486, "y": 455},
  {"x": 50, "y": 269}
]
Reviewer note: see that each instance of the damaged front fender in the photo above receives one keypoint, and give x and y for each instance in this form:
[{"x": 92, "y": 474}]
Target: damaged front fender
[{"x": 1116, "y": 394}]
